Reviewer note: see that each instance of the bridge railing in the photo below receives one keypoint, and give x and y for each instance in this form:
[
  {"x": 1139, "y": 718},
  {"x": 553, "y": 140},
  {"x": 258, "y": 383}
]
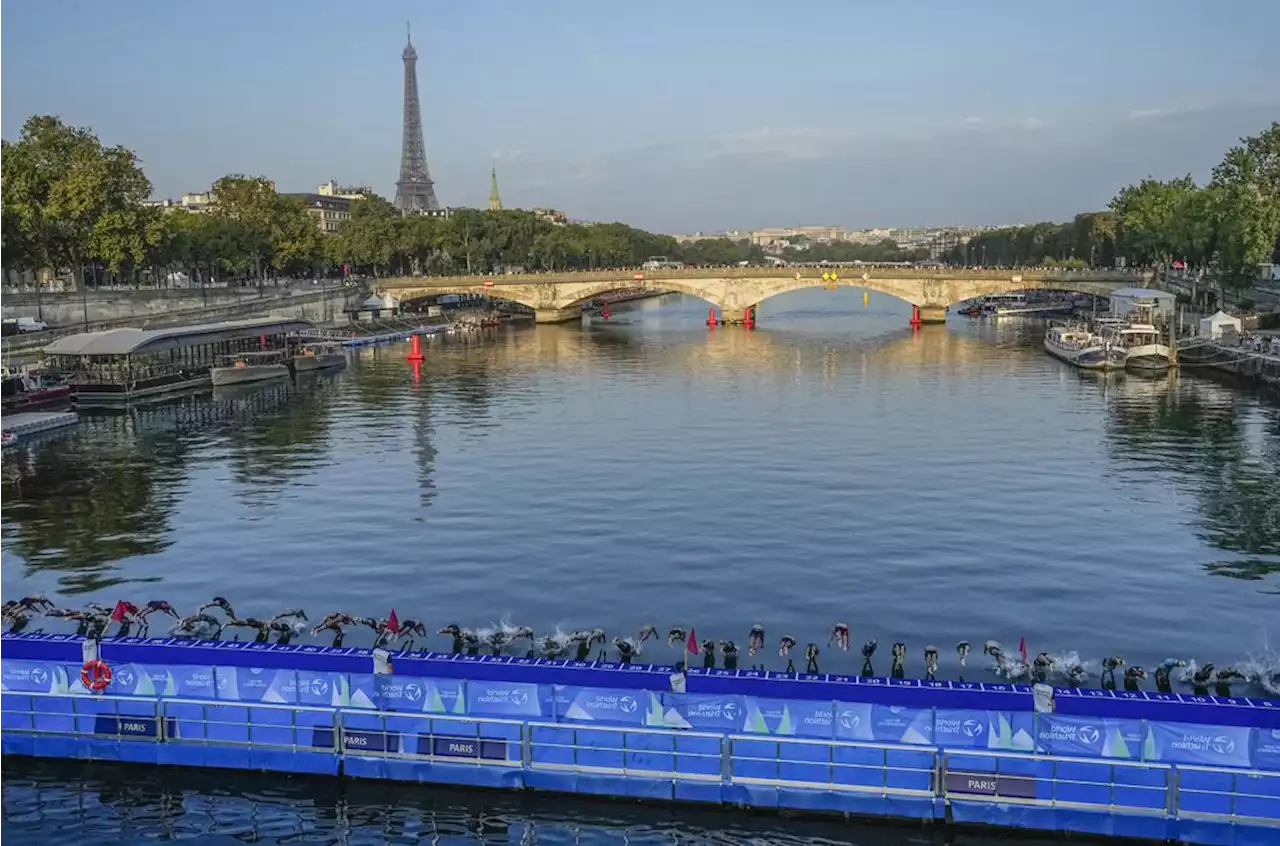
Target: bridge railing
[
  {"x": 880, "y": 768},
  {"x": 638, "y": 275},
  {"x": 1078, "y": 783}
]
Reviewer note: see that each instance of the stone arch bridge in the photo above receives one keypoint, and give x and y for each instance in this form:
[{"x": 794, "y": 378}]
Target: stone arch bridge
[{"x": 558, "y": 297}]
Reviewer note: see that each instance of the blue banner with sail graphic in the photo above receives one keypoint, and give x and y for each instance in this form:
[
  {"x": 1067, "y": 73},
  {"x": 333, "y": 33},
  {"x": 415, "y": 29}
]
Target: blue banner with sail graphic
[
  {"x": 788, "y": 717},
  {"x": 704, "y": 712},
  {"x": 1089, "y": 737},
  {"x": 425, "y": 695},
  {"x": 508, "y": 699},
  {"x": 1192, "y": 743},
  {"x": 883, "y": 723},
  {"x": 984, "y": 729},
  {"x": 256, "y": 684},
  {"x": 20, "y": 676},
  {"x": 607, "y": 705}
]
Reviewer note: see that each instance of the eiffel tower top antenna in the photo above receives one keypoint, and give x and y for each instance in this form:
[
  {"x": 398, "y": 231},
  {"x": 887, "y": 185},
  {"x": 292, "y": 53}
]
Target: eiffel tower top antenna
[{"x": 407, "y": 34}]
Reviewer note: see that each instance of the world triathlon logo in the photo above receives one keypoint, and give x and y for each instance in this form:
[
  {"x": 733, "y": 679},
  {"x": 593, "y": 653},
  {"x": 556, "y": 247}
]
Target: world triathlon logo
[
  {"x": 39, "y": 676},
  {"x": 971, "y": 728},
  {"x": 850, "y": 720},
  {"x": 519, "y": 697},
  {"x": 125, "y": 677},
  {"x": 412, "y": 692},
  {"x": 729, "y": 711},
  {"x": 1223, "y": 745},
  {"x": 320, "y": 687},
  {"x": 1088, "y": 735},
  {"x": 627, "y": 705}
]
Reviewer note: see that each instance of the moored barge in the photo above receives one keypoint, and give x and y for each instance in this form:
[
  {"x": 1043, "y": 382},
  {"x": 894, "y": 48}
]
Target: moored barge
[{"x": 119, "y": 366}]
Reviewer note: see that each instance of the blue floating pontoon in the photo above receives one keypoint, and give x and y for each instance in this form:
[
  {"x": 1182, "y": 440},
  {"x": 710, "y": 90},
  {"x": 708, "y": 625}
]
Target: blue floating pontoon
[{"x": 1197, "y": 769}]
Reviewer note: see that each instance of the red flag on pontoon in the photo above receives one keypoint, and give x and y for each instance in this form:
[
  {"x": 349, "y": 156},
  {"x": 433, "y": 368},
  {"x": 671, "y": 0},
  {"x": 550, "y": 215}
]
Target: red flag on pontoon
[
  {"x": 393, "y": 622},
  {"x": 693, "y": 641},
  {"x": 1022, "y": 648},
  {"x": 119, "y": 611}
]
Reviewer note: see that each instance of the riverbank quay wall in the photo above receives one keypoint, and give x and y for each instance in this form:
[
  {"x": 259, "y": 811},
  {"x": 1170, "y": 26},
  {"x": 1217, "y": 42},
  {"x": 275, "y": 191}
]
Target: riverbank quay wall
[{"x": 1197, "y": 769}]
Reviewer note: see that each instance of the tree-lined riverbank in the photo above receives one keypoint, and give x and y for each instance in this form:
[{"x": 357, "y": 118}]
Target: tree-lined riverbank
[{"x": 1227, "y": 227}]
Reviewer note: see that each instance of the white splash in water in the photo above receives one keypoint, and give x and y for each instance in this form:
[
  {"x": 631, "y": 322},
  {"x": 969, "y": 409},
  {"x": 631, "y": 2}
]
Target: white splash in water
[{"x": 1263, "y": 669}]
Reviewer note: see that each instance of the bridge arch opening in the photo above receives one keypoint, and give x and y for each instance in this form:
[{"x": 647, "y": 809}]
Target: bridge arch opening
[
  {"x": 590, "y": 291},
  {"x": 492, "y": 293}
]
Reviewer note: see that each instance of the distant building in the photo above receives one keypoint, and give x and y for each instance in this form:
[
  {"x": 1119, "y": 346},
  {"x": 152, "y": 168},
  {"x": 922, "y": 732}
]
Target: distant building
[
  {"x": 868, "y": 236},
  {"x": 495, "y": 202},
  {"x": 732, "y": 235},
  {"x": 197, "y": 202},
  {"x": 351, "y": 192},
  {"x": 329, "y": 211},
  {"x": 552, "y": 216},
  {"x": 445, "y": 213}
]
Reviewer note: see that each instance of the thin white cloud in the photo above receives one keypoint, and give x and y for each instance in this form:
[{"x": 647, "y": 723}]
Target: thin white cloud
[
  {"x": 1147, "y": 114},
  {"x": 972, "y": 121},
  {"x": 806, "y": 142}
]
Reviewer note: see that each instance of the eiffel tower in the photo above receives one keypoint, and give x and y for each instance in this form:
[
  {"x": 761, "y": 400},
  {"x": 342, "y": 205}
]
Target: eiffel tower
[{"x": 415, "y": 192}]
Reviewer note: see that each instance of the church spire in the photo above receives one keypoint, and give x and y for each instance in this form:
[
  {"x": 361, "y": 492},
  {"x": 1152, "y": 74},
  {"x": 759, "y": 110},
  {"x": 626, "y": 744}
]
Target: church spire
[{"x": 495, "y": 202}]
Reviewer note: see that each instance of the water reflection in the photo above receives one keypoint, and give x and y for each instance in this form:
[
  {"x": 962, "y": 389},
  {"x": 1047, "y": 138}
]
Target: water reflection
[
  {"x": 110, "y": 492},
  {"x": 277, "y": 436},
  {"x": 1217, "y": 444},
  {"x": 92, "y": 804},
  {"x": 76, "y": 505}
]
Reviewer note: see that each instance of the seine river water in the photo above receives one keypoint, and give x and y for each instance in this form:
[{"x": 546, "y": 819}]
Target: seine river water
[{"x": 832, "y": 465}]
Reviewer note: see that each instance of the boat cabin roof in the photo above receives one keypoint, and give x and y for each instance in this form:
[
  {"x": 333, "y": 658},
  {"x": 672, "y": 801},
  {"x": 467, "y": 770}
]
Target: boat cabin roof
[
  {"x": 255, "y": 354},
  {"x": 134, "y": 341}
]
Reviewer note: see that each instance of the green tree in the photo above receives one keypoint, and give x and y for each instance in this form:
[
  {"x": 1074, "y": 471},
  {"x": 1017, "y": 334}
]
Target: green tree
[
  {"x": 559, "y": 247},
  {"x": 1147, "y": 218},
  {"x": 370, "y": 237},
  {"x": 418, "y": 240},
  {"x": 1248, "y": 219},
  {"x": 297, "y": 243},
  {"x": 68, "y": 199},
  {"x": 251, "y": 201}
]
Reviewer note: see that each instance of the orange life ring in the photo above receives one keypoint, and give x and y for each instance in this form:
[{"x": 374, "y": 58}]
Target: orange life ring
[{"x": 95, "y": 675}]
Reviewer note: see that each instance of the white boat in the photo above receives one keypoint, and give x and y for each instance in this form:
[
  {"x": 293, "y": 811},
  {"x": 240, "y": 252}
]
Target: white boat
[
  {"x": 1139, "y": 338},
  {"x": 1141, "y": 344},
  {"x": 1077, "y": 345},
  {"x": 319, "y": 355},
  {"x": 250, "y": 367},
  {"x": 1020, "y": 305}
]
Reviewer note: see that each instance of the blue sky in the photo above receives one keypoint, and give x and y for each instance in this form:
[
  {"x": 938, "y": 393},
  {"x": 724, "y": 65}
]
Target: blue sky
[{"x": 674, "y": 116}]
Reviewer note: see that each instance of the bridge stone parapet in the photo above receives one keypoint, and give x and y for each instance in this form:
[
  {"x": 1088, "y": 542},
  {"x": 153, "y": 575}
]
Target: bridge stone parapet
[{"x": 556, "y": 296}]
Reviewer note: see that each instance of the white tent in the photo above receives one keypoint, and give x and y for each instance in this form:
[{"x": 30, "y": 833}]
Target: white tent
[{"x": 1214, "y": 325}]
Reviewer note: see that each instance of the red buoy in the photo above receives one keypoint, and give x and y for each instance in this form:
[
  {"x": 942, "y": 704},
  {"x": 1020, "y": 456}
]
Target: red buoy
[
  {"x": 749, "y": 319},
  {"x": 415, "y": 348},
  {"x": 711, "y": 317},
  {"x": 915, "y": 316}
]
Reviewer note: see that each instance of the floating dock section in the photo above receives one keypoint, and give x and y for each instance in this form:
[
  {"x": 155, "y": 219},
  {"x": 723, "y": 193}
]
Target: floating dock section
[
  {"x": 1196, "y": 769},
  {"x": 26, "y": 424}
]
